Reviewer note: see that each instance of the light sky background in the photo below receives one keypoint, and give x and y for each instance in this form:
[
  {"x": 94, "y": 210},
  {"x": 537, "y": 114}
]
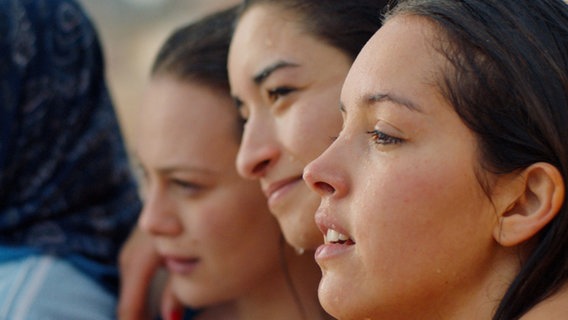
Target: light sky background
[{"x": 131, "y": 32}]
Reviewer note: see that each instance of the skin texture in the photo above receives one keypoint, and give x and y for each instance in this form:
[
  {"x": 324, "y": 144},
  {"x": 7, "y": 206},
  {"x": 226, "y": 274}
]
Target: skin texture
[
  {"x": 138, "y": 263},
  {"x": 291, "y": 111},
  {"x": 196, "y": 205},
  {"x": 401, "y": 182}
]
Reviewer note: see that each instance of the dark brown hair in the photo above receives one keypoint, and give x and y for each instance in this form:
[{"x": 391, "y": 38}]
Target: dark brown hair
[
  {"x": 509, "y": 84},
  {"x": 198, "y": 51},
  {"x": 344, "y": 24}
]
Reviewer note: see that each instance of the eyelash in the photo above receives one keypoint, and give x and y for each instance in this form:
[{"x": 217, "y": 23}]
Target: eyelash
[
  {"x": 185, "y": 186},
  {"x": 382, "y": 138},
  {"x": 273, "y": 95},
  {"x": 238, "y": 103},
  {"x": 240, "y": 110},
  {"x": 279, "y": 92},
  {"x": 243, "y": 119}
]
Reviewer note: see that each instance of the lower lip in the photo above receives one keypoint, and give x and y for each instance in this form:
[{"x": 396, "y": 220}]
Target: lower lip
[
  {"x": 277, "y": 196},
  {"x": 331, "y": 251},
  {"x": 181, "y": 266}
]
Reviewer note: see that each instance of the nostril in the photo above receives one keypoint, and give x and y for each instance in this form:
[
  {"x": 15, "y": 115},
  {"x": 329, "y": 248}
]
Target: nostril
[
  {"x": 324, "y": 187},
  {"x": 260, "y": 168}
]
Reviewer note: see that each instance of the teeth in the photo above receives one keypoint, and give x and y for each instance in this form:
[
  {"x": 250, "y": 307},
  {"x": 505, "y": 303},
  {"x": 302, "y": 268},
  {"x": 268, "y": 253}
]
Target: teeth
[{"x": 333, "y": 236}]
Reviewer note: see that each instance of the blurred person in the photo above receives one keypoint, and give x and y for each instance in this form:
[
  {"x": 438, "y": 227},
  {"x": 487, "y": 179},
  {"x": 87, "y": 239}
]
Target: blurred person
[
  {"x": 224, "y": 252},
  {"x": 67, "y": 199}
]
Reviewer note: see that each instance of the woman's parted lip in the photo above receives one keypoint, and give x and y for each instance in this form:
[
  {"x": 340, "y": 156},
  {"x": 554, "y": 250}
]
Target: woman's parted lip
[
  {"x": 328, "y": 225},
  {"x": 271, "y": 188},
  {"x": 337, "y": 242},
  {"x": 179, "y": 264}
]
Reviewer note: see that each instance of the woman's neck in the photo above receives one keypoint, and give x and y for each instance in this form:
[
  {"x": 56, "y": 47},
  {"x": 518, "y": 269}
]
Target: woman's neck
[
  {"x": 289, "y": 293},
  {"x": 292, "y": 294}
]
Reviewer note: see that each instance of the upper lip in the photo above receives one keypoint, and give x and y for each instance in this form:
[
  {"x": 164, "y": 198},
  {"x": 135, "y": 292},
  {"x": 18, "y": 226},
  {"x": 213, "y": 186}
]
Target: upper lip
[
  {"x": 167, "y": 260},
  {"x": 270, "y": 188},
  {"x": 325, "y": 222},
  {"x": 177, "y": 257}
]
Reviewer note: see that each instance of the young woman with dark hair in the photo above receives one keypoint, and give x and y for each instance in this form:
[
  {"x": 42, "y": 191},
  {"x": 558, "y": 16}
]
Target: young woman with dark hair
[
  {"x": 444, "y": 196},
  {"x": 287, "y": 62}
]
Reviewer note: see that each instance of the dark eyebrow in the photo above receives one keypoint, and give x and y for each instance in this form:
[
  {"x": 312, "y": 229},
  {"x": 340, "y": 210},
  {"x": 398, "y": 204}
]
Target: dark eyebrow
[
  {"x": 261, "y": 76},
  {"x": 379, "y": 97}
]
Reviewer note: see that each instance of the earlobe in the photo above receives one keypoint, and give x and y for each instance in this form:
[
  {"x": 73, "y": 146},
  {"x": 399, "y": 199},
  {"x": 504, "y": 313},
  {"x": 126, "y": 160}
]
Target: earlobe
[{"x": 540, "y": 197}]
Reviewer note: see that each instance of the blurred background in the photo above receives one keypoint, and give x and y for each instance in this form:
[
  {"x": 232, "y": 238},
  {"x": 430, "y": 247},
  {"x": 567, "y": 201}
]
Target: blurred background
[{"x": 131, "y": 32}]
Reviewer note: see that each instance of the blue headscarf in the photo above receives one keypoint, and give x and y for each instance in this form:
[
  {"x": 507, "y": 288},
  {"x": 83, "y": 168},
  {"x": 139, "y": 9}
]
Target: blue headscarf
[{"x": 65, "y": 183}]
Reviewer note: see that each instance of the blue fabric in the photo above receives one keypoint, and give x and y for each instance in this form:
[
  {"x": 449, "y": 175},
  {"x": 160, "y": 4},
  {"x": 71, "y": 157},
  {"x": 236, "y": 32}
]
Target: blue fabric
[
  {"x": 65, "y": 183},
  {"x": 188, "y": 314},
  {"x": 8, "y": 254},
  {"x": 101, "y": 273},
  {"x": 50, "y": 288}
]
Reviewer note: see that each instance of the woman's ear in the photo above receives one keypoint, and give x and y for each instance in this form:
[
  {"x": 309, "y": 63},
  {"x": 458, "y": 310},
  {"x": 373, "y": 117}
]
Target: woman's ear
[{"x": 539, "y": 197}]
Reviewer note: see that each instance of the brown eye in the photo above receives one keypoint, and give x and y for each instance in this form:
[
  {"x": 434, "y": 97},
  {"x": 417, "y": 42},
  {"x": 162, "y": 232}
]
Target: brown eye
[
  {"x": 380, "y": 137},
  {"x": 279, "y": 92},
  {"x": 244, "y": 114},
  {"x": 187, "y": 188}
]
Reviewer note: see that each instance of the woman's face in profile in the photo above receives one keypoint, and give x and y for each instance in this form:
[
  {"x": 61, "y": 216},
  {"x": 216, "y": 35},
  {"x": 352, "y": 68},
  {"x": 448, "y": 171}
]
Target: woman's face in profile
[
  {"x": 286, "y": 84},
  {"x": 211, "y": 227},
  {"x": 408, "y": 226}
]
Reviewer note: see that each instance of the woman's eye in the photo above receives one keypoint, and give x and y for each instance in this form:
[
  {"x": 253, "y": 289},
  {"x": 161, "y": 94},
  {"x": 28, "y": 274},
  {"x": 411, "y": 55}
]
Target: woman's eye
[
  {"x": 382, "y": 138},
  {"x": 243, "y": 116},
  {"x": 279, "y": 92},
  {"x": 243, "y": 112},
  {"x": 186, "y": 186}
]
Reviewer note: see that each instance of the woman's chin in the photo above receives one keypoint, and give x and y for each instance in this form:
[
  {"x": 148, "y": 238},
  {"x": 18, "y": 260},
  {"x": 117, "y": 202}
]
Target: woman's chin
[{"x": 299, "y": 227}]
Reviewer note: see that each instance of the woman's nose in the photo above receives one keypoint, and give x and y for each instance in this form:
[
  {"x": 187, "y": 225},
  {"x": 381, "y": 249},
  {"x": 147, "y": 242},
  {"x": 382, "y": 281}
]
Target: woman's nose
[
  {"x": 259, "y": 150},
  {"x": 159, "y": 216},
  {"x": 326, "y": 175}
]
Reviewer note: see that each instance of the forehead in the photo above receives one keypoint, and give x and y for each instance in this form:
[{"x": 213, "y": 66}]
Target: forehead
[
  {"x": 266, "y": 33},
  {"x": 400, "y": 55},
  {"x": 178, "y": 119},
  {"x": 260, "y": 23},
  {"x": 173, "y": 102}
]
